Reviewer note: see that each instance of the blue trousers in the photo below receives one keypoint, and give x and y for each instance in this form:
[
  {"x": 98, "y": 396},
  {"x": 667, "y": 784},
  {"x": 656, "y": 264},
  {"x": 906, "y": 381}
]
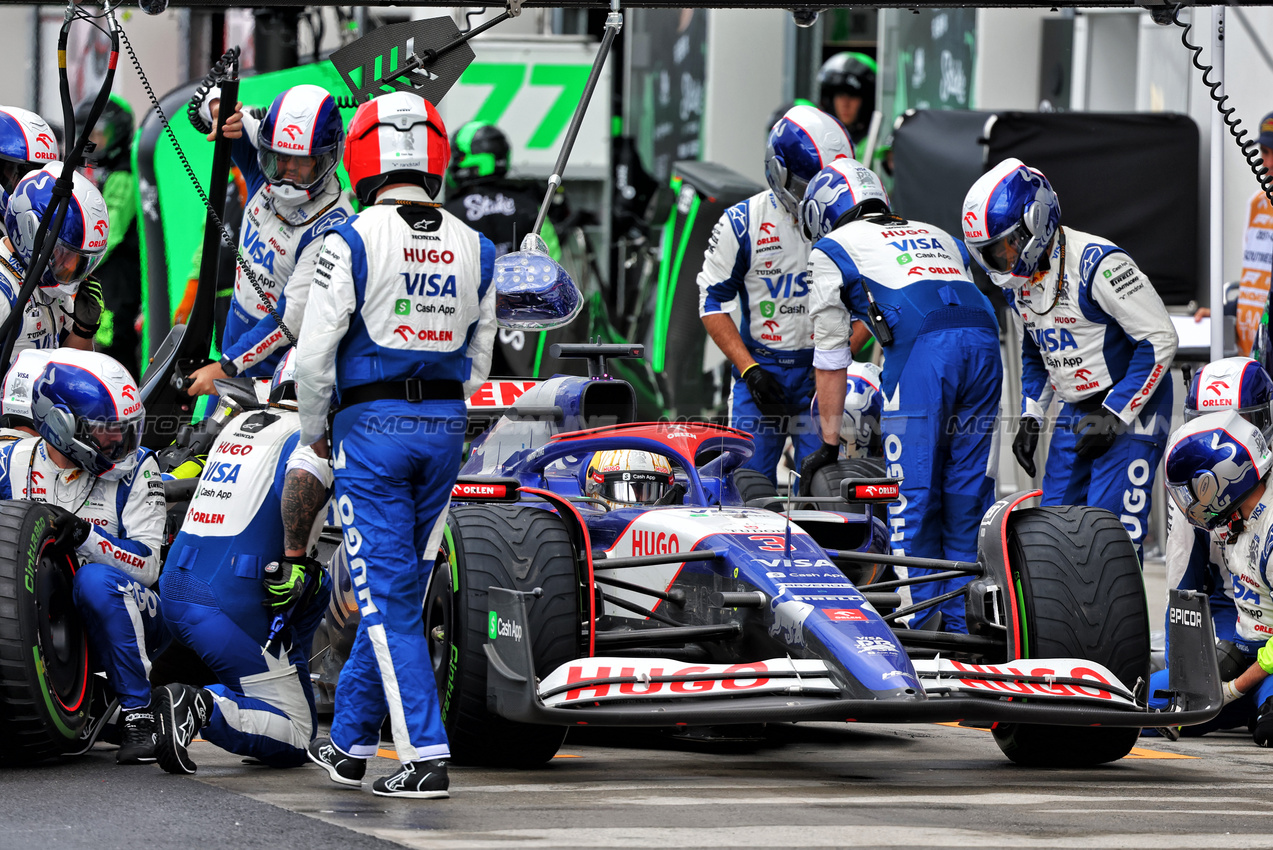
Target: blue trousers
[
  {"x": 1122, "y": 480},
  {"x": 125, "y": 629},
  {"x": 264, "y": 704},
  {"x": 940, "y": 431},
  {"x": 396, "y": 462},
  {"x": 769, "y": 435}
]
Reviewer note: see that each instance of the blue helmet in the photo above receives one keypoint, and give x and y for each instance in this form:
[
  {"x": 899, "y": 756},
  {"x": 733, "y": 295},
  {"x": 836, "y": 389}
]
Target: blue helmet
[
  {"x": 1239, "y": 384},
  {"x": 844, "y": 190},
  {"x": 81, "y": 243},
  {"x": 1213, "y": 464},
  {"x": 800, "y": 144},
  {"x": 1010, "y": 216},
  {"x": 302, "y": 122},
  {"x": 26, "y": 143},
  {"x": 91, "y": 412}
]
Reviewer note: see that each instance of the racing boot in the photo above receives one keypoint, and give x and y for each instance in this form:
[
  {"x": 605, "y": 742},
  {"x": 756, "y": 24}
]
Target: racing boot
[
  {"x": 417, "y": 780},
  {"x": 138, "y": 736},
  {"x": 1263, "y": 731},
  {"x": 343, "y": 769},
  {"x": 183, "y": 711}
]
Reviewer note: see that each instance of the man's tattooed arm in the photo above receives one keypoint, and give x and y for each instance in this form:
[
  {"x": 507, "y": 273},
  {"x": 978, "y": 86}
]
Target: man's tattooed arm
[{"x": 304, "y": 496}]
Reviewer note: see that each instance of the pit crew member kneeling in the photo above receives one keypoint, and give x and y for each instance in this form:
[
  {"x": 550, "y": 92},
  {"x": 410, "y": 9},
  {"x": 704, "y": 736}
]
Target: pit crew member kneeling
[
  {"x": 242, "y": 559},
  {"x": 109, "y": 501},
  {"x": 1217, "y": 472},
  {"x": 1096, "y": 333},
  {"x": 403, "y": 362},
  {"x": 942, "y": 372}
]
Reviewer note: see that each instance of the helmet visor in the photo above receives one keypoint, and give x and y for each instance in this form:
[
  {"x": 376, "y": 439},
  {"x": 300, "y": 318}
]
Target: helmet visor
[
  {"x": 638, "y": 487},
  {"x": 115, "y": 441},
  {"x": 11, "y": 171},
  {"x": 303, "y": 172},
  {"x": 70, "y": 265},
  {"x": 1259, "y": 415},
  {"x": 1001, "y": 255},
  {"x": 1194, "y": 511}
]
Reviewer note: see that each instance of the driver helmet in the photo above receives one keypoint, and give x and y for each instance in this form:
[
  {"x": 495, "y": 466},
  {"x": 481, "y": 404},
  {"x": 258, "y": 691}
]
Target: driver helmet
[
  {"x": 1239, "y": 384},
  {"x": 81, "y": 244},
  {"x": 863, "y": 408},
  {"x": 27, "y": 142},
  {"x": 844, "y": 190},
  {"x": 298, "y": 142},
  {"x": 479, "y": 150},
  {"x": 283, "y": 384},
  {"x": 1011, "y": 215},
  {"x": 800, "y": 144},
  {"x": 91, "y": 412},
  {"x": 1213, "y": 464},
  {"x": 624, "y": 477}
]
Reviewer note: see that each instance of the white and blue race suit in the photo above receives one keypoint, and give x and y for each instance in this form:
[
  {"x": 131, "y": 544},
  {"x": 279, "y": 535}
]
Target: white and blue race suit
[
  {"x": 401, "y": 322},
  {"x": 1103, "y": 341},
  {"x": 279, "y": 241},
  {"x": 48, "y": 315},
  {"x": 758, "y": 259},
  {"x": 119, "y": 561},
  {"x": 263, "y": 706},
  {"x": 941, "y": 382}
]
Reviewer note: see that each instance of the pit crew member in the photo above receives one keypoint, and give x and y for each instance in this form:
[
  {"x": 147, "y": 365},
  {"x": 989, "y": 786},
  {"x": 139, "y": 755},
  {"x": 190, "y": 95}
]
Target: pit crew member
[
  {"x": 288, "y": 159},
  {"x": 109, "y": 499},
  {"x": 1217, "y": 472},
  {"x": 758, "y": 258},
  {"x": 860, "y": 434},
  {"x": 241, "y": 557},
  {"x": 401, "y": 323},
  {"x": 846, "y": 89},
  {"x": 1096, "y": 334},
  {"x": 27, "y": 143},
  {"x": 942, "y": 372},
  {"x": 65, "y": 309}
]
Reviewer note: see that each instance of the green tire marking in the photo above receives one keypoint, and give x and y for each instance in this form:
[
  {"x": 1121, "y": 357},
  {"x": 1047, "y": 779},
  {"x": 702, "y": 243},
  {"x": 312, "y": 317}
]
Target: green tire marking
[
  {"x": 48, "y": 700},
  {"x": 1025, "y": 635}
]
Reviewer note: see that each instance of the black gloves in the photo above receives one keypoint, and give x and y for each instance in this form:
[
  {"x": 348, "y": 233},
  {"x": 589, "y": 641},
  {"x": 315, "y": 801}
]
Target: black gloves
[
  {"x": 71, "y": 530},
  {"x": 1026, "y": 442},
  {"x": 87, "y": 314},
  {"x": 286, "y": 579},
  {"x": 1096, "y": 433},
  {"x": 766, "y": 391},
  {"x": 824, "y": 455}
]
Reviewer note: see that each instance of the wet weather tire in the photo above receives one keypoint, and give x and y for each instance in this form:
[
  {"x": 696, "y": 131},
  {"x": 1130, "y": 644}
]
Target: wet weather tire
[
  {"x": 45, "y": 686},
  {"x": 1082, "y": 596},
  {"x": 517, "y": 547},
  {"x": 826, "y": 481},
  {"x": 753, "y": 484}
]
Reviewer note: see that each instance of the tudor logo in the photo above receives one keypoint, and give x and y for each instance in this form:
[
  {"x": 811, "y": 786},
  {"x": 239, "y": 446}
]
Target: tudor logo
[
  {"x": 292, "y": 131},
  {"x": 1215, "y": 386}
]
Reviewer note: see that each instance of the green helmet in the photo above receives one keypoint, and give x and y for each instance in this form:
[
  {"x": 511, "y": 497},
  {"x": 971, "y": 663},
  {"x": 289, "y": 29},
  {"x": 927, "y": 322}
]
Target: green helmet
[{"x": 478, "y": 150}]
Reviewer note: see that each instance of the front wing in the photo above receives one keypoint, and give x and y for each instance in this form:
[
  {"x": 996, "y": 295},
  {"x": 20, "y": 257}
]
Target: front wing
[{"x": 628, "y": 691}]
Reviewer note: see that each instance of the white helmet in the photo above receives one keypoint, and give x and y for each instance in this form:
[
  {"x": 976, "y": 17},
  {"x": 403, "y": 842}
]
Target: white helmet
[
  {"x": 624, "y": 477},
  {"x": 863, "y": 408},
  {"x": 27, "y": 142},
  {"x": 90, "y": 411},
  {"x": 1010, "y": 216},
  {"x": 1213, "y": 464},
  {"x": 81, "y": 244},
  {"x": 802, "y": 143},
  {"x": 399, "y": 133}
]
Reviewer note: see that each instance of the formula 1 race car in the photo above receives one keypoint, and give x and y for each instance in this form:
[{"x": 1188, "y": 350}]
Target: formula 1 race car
[{"x": 549, "y": 608}]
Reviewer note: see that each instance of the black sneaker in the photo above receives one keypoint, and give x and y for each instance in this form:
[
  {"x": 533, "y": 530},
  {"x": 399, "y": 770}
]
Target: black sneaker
[
  {"x": 343, "y": 769},
  {"x": 183, "y": 711},
  {"x": 138, "y": 736},
  {"x": 417, "y": 780}
]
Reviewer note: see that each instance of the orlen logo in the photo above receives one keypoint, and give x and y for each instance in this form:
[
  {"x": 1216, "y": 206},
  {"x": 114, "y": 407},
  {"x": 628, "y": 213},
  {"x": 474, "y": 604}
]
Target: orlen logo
[
  {"x": 426, "y": 335},
  {"x": 100, "y": 227},
  {"x": 771, "y": 325},
  {"x": 1083, "y": 374},
  {"x": 292, "y": 131},
  {"x": 129, "y": 392},
  {"x": 970, "y": 226},
  {"x": 45, "y": 139},
  {"x": 1215, "y": 386},
  {"x": 767, "y": 227}
]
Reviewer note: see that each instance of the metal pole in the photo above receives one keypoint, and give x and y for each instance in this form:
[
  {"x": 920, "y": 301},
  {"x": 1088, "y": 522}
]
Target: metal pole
[{"x": 1217, "y": 189}]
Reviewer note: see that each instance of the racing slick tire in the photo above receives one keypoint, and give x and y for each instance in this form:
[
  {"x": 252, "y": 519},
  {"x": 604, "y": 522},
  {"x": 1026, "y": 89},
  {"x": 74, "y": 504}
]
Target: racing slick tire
[
  {"x": 826, "y": 481},
  {"x": 518, "y": 547},
  {"x": 45, "y": 686},
  {"x": 1082, "y": 596},
  {"x": 753, "y": 484}
]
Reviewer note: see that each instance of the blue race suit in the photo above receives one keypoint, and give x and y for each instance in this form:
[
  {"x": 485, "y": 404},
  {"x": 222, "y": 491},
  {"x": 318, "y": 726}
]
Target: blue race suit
[
  {"x": 941, "y": 383},
  {"x": 119, "y": 560},
  {"x": 1101, "y": 341},
  {"x": 758, "y": 259},
  {"x": 402, "y": 308},
  {"x": 1244, "y": 562},
  {"x": 47, "y": 319},
  {"x": 212, "y": 592},
  {"x": 279, "y": 241}
]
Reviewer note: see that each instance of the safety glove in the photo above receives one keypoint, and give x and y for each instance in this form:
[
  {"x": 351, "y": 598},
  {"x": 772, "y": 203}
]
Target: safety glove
[
  {"x": 766, "y": 391},
  {"x": 87, "y": 312},
  {"x": 285, "y": 580},
  {"x": 71, "y": 531},
  {"x": 1096, "y": 434},
  {"x": 824, "y": 455},
  {"x": 1026, "y": 443}
]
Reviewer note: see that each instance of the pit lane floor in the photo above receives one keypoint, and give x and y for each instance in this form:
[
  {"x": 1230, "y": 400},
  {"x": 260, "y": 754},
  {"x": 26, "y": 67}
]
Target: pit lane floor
[{"x": 807, "y": 785}]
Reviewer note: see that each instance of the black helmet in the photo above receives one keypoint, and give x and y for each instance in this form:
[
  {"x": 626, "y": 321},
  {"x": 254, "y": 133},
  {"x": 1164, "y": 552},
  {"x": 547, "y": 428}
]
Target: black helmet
[
  {"x": 478, "y": 150},
  {"x": 852, "y": 74},
  {"x": 116, "y": 126}
]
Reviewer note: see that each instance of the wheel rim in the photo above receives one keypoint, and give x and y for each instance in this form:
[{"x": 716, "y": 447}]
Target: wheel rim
[
  {"x": 63, "y": 642},
  {"x": 437, "y": 617}
]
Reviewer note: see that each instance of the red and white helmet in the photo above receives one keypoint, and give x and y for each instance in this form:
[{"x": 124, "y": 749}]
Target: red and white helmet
[{"x": 396, "y": 138}]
